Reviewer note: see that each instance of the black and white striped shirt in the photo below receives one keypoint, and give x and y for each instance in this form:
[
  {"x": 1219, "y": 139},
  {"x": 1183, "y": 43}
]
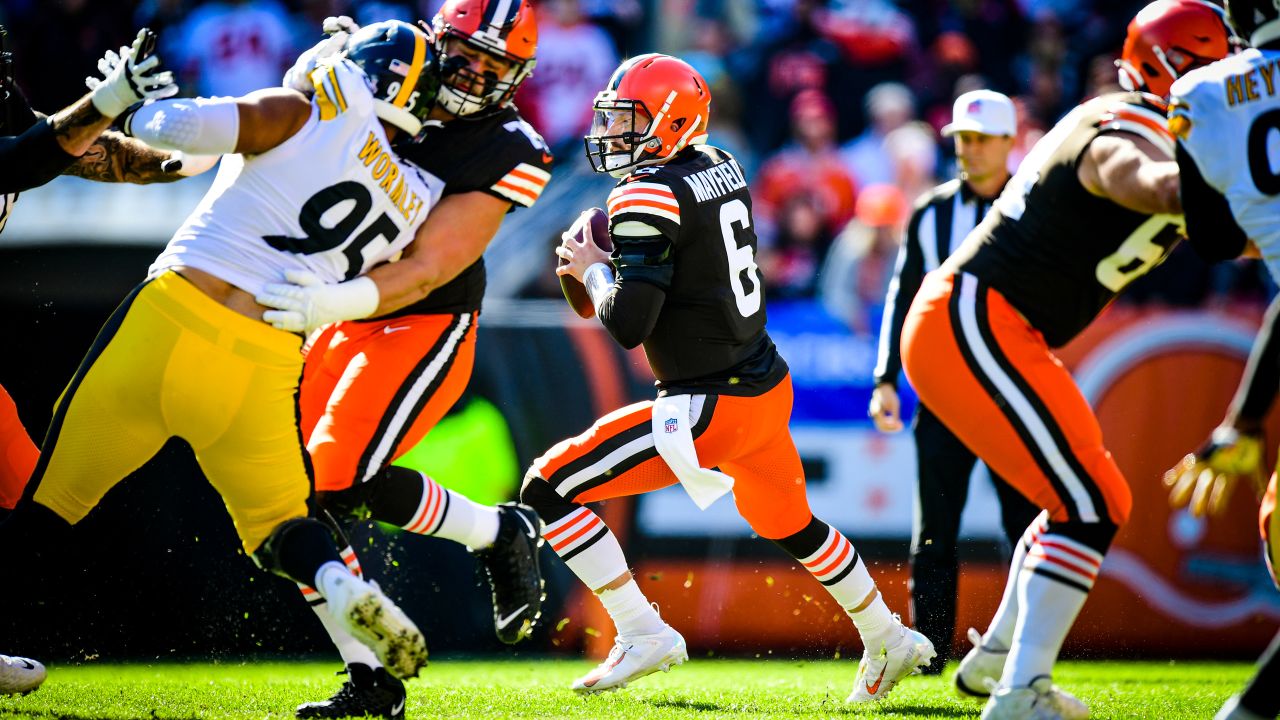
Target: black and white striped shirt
[{"x": 942, "y": 218}]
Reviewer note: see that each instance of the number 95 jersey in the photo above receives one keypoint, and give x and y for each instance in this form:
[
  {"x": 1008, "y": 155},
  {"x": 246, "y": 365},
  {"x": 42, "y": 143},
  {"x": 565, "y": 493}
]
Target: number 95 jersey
[
  {"x": 685, "y": 226},
  {"x": 1058, "y": 253},
  {"x": 1226, "y": 117},
  {"x": 333, "y": 199}
]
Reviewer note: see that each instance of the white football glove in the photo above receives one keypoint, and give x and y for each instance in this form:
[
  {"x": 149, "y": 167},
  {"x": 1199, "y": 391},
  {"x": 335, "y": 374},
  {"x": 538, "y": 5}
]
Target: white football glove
[
  {"x": 338, "y": 29},
  {"x": 125, "y": 82},
  {"x": 304, "y": 302}
]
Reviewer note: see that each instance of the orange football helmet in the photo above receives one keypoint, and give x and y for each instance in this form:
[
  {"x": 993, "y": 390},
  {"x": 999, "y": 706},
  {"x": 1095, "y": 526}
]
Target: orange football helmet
[
  {"x": 505, "y": 29},
  {"x": 654, "y": 107},
  {"x": 1169, "y": 38}
]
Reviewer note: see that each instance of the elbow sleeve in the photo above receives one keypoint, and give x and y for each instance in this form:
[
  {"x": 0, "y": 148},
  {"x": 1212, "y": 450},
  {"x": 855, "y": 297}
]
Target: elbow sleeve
[{"x": 200, "y": 126}]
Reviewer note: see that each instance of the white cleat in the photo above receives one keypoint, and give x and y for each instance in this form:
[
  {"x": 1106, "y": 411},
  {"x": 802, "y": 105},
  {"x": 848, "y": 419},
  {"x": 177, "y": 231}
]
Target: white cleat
[
  {"x": 903, "y": 654},
  {"x": 632, "y": 658},
  {"x": 19, "y": 675},
  {"x": 1233, "y": 710},
  {"x": 1041, "y": 700},
  {"x": 981, "y": 668},
  {"x": 377, "y": 622}
]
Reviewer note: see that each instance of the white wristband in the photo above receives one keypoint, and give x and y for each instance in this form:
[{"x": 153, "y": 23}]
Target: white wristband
[
  {"x": 199, "y": 126},
  {"x": 599, "y": 281}
]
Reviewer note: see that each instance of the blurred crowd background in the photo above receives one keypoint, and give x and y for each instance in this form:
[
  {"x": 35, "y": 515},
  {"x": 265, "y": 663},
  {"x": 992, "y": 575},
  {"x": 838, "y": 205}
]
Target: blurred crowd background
[{"x": 832, "y": 106}]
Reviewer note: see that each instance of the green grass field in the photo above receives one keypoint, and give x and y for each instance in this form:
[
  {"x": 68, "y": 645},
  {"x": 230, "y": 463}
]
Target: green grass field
[{"x": 702, "y": 689}]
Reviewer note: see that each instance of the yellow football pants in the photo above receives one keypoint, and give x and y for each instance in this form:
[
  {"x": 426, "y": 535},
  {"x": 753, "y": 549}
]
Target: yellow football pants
[{"x": 173, "y": 362}]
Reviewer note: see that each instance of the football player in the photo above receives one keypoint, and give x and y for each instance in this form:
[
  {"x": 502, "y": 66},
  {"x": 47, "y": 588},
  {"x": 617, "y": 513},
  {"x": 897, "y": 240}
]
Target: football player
[
  {"x": 683, "y": 282},
  {"x": 189, "y": 354},
  {"x": 372, "y": 389},
  {"x": 1092, "y": 207},
  {"x": 1222, "y": 117},
  {"x": 33, "y": 149}
]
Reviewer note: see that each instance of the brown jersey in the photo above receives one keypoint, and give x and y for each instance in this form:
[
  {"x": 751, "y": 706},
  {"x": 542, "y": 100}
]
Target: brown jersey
[
  {"x": 497, "y": 153},
  {"x": 1058, "y": 253},
  {"x": 698, "y": 246}
]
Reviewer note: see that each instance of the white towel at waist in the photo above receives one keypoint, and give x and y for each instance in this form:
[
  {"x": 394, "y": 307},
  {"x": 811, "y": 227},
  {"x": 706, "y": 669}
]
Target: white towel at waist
[{"x": 673, "y": 438}]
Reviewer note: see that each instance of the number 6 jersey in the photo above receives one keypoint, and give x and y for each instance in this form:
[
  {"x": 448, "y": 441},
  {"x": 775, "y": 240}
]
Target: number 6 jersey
[
  {"x": 685, "y": 227},
  {"x": 333, "y": 199},
  {"x": 1058, "y": 253}
]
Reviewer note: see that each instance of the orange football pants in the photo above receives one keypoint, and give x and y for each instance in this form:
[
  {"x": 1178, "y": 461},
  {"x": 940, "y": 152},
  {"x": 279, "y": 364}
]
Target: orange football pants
[
  {"x": 18, "y": 455},
  {"x": 990, "y": 377},
  {"x": 373, "y": 389},
  {"x": 747, "y": 438}
]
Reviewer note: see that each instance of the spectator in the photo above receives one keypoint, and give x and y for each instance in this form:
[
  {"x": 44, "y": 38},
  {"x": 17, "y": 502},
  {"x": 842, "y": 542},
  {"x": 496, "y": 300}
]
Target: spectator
[
  {"x": 856, "y": 273},
  {"x": 790, "y": 265},
  {"x": 889, "y": 106},
  {"x": 913, "y": 152},
  {"x": 809, "y": 165},
  {"x": 575, "y": 60},
  {"x": 798, "y": 58},
  {"x": 233, "y": 48}
]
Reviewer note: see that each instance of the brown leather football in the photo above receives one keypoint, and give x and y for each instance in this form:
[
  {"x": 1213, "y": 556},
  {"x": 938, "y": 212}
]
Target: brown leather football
[{"x": 575, "y": 292}]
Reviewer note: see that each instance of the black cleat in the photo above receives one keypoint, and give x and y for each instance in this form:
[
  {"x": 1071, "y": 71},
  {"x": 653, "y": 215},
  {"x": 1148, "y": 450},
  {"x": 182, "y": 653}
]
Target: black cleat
[
  {"x": 511, "y": 565},
  {"x": 366, "y": 693}
]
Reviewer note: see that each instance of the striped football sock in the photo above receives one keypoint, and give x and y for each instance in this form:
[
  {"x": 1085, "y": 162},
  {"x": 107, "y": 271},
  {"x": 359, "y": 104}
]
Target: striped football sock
[
  {"x": 999, "y": 635},
  {"x": 1056, "y": 578},
  {"x": 446, "y": 514},
  {"x": 352, "y": 650}
]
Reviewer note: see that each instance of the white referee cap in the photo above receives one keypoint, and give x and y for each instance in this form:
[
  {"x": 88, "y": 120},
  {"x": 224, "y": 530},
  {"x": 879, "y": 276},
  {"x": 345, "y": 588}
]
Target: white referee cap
[{"x": 982, "y": 111}]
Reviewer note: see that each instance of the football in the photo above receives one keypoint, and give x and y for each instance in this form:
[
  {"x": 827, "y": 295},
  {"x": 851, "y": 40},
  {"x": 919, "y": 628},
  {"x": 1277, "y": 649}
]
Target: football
[{"x": 595, "y": 222}]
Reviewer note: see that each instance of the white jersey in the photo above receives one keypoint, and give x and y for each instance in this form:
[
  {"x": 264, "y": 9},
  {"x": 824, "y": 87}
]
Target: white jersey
[
  {"x": 1227, "y": 118},
  {"x": 333, "y": 199}
]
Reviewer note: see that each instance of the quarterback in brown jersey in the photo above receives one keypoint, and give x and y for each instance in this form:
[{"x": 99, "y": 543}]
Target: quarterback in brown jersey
[
  {"x": 1095, "y": 205},
  {"x": 687, "y": 288}
]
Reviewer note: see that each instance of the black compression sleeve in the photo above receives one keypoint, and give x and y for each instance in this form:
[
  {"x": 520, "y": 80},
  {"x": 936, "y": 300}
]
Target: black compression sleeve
[
  {"x": 31, "y": 159},
  {"x": 908, "y": 273},
  {"x": 631, "y": 310},
  {"x": 1211, "y": 227},
  {"x": 1261, "y": 378}
]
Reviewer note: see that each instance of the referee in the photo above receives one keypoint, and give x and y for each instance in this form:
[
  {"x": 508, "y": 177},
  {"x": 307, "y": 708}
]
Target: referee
[{"x": 983, "y": 125}]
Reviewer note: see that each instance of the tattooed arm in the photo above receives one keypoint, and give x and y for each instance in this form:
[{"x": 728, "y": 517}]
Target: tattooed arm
[
  {"x": 78, "y": 125},
  {"x": 49, "y": 147},
  {"x": 116, "y": 158}
]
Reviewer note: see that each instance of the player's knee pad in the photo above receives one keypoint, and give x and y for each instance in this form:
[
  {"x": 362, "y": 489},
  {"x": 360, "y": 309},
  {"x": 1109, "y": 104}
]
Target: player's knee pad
[
  {"x": 1096, "y": 536},
  {"x": 296, "y": 549},
  {"x": 807, "y": 541},
  {"x": 539, "y": 495},
  {"x": 393, "y": 495},
  {"x": 343, "y": 505}
]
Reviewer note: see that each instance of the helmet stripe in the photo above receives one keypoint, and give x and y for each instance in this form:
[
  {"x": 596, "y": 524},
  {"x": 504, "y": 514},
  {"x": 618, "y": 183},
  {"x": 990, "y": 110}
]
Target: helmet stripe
[
  {"x": 622, "y": 70},
  {"x": 415, "y": 70},
  {"x": 499, "y": 17}
]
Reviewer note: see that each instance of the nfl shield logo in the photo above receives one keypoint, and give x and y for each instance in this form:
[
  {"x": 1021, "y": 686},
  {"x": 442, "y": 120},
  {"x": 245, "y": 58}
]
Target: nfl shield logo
[
  {"x": 975, "y": 107},
  {"x": 670, "y": 425}
]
